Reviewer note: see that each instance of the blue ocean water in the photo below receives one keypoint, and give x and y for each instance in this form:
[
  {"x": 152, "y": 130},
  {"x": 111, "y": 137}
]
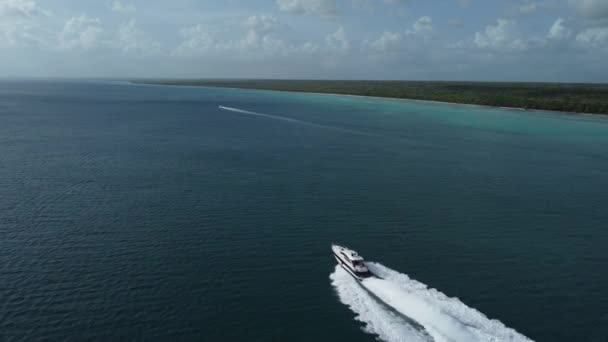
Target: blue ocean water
[{"x": 133, "y": 212}]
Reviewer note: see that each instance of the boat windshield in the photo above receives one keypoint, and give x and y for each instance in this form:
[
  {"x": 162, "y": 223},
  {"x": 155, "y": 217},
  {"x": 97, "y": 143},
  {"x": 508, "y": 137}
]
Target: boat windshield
[{"x": 358, "y": 263}]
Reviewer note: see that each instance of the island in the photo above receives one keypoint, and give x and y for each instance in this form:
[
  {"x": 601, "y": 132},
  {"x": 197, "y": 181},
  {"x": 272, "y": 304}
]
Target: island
[{"x": 565, "y": 97}]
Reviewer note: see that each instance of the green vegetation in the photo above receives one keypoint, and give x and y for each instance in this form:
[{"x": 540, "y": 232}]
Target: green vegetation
[{"x": 567, "y": 97}]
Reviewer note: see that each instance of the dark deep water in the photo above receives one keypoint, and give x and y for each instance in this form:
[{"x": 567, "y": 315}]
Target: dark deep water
[{"x": 148, "y": 213}]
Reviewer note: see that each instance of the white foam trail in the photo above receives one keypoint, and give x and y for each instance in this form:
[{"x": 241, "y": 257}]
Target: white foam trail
[
  {"x": 443, "y": 318},
  {"x": 270, "y": 116},
  {"x": 378, "y": 319},
  {"x": 295, "y": 121}
]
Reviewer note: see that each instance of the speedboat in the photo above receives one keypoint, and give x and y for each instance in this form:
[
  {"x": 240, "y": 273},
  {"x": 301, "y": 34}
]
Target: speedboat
[{"x": 352, "y": 262}]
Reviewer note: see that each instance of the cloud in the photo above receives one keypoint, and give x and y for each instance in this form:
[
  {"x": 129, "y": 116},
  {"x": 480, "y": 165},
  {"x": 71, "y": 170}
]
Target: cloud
[
  {"x": 323, "y": 8},
  {"x": 263, "y": 45},
  {"x": 119, "y": 7},
  {"x": 257, "y": 35},
  {"x": 338, "y": 40},
  {"x": 423, "y": 26},
  {"x": 86, "y": 33},
  {"x": 20, "y": 9},
  {"x": 80, "y": 32},
  {"x": 528, "y": 7},
  {"x": 336, "y": 46},
  {"x": 393, "y": 41},
  {"x": 558, "y": 31},
  {"x": 597, "y": 12},
  {"x": 21, "y": 23},
  {"x": 594, "y": 37},
  {"x": 501, "y": 36},
  {"x": 388, "y": 41},
  {"x": 132, "y": 39},
  {"x": 560, "y": 40},
  {"x": 592, "y": 9},
  {"x": 197, "y": 40},
  {"x": 261, "y": 24},
  {"x": 259, "y": 30}
]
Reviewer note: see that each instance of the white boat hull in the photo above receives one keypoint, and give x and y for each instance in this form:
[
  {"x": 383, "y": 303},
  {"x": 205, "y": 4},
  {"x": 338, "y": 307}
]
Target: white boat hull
[
  {"x": 347, "y": 269},
  {"x": 346, "y": 265}
]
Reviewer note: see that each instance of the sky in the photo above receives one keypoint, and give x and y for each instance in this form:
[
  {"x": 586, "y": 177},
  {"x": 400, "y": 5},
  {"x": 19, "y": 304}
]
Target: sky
[{"x": 491, "y": 40}]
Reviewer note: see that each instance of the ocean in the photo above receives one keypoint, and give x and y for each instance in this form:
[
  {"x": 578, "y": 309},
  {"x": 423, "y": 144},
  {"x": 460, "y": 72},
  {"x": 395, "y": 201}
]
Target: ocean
[{"x": 133, "y": 212}]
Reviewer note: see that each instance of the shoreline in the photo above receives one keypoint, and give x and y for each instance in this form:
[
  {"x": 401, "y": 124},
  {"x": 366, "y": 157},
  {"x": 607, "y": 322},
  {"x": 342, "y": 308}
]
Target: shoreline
[
  {"x": 507, "y": 108},
  {"x": 515, "y": 109}
]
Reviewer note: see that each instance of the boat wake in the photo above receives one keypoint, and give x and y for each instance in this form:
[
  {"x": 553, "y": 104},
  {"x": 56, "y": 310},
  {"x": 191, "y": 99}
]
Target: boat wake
[
  {"x": 294, "y": 121},
  {"x": 406, "y": 310},
  {"x": 270, "y": 116}
]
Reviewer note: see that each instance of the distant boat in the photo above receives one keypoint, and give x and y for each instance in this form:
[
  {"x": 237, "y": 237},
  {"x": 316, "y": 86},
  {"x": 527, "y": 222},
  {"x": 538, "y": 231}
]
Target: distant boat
[{"x": 352, "y": 262}]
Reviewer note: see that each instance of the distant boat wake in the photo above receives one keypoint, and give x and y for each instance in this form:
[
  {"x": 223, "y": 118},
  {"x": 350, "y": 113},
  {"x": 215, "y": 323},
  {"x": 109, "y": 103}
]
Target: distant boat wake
[
  {"x": 437, "y": 317},
  {"x": 290, "y": 120}
]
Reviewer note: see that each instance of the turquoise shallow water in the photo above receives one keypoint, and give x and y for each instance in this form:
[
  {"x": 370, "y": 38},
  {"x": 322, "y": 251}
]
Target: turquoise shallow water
[{"x": 149, "y": 213}]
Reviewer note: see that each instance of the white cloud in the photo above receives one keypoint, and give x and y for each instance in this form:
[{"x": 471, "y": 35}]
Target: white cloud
[
  {"x": 387, "y": 41},
  {"x": 308, "y": 48},
  {"x": 263, "y": 41},
  {"x": 501, "y": 36},
  {"x": 261, "y": 24},
  {"x": 197, "y": 40},
  {"x": 338, "y": 40},
  {"x": 260, "y": 35},
  {"x": 323, "y": 8},
  {"x": 19, "y": 9},
  {"x": 528, "y": 7},
  {"x": 423, "y": 26},
  {"x": 80, "y": 32},
  {"x": 87, "y": 33},
  {"x": 558, "y": 31},
  {"x": 132, "y": 39},
  {"x": 21, "y": 23},
  {"x": 259, "y": 30},
  {"x": 119, "y": 7},
  {"x": 594, "y": 9},
  {"x": 593, "y": 37},
  {"x": 392, "y": 41}
]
